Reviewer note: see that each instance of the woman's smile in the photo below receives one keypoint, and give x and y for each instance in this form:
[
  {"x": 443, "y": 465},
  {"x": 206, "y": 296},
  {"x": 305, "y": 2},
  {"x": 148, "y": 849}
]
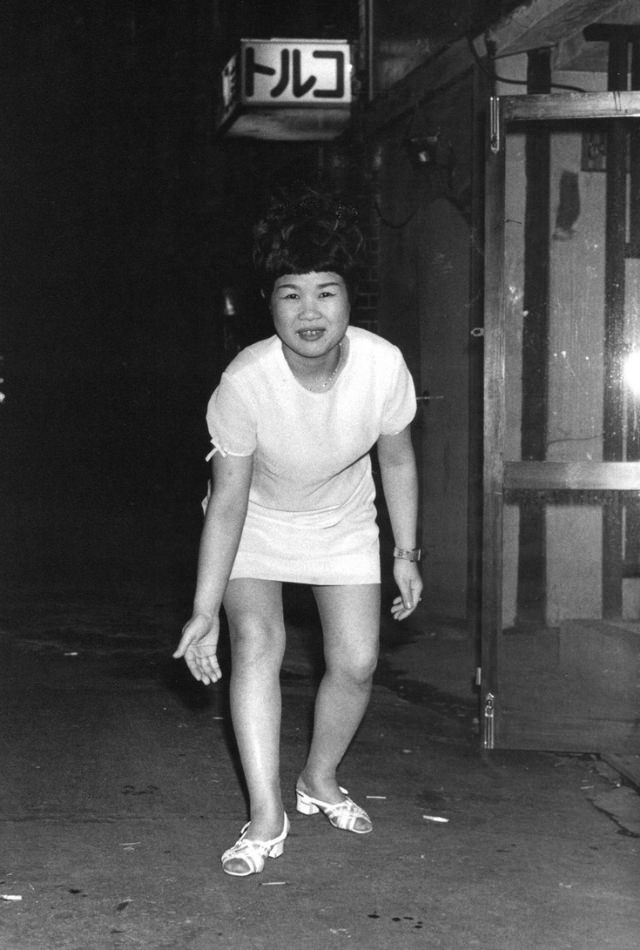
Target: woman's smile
[
  {"x": 311, "y": 334},
  {"x": 310, "y": 315}
]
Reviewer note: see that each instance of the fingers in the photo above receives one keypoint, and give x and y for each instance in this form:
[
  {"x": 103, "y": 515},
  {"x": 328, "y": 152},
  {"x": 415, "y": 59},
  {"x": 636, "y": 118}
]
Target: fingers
[
  {"x": 203, "y": 666},
  {"x": 407, "y": 577},
  {"x": 406, "y": 603},
  {"x": 198, "y": 646},
  {"x": 400, "y": 610}
]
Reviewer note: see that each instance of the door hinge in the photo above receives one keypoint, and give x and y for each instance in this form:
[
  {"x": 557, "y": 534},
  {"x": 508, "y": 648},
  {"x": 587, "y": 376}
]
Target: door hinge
[
  {"x": 495, "y": 136},
  {"x": 488, "y": 721}
]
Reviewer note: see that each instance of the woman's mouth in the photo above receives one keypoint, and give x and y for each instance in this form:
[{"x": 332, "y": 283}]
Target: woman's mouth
[{"x": 311, "y": 335}]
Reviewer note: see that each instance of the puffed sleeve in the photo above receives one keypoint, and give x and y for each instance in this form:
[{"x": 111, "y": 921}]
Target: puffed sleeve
[
  {"x": 231, "y": 420},
  {"x": 400, "y": 404}
]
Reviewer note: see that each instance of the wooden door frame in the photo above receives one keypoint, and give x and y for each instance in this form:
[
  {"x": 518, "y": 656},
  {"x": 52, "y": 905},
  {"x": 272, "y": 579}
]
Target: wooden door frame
[{"x": 506, "y": 112}]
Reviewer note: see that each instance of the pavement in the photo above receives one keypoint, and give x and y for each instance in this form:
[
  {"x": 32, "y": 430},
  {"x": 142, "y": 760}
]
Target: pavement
[{"x": 121, "y": 787}]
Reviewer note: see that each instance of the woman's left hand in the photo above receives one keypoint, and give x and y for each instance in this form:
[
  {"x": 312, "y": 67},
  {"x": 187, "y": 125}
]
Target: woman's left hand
[{"x": 407, "y": 577}]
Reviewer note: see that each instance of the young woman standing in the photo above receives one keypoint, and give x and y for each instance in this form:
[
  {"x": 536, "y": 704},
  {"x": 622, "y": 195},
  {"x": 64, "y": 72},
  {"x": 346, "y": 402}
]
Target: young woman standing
[{"x": 292, "y": 424}]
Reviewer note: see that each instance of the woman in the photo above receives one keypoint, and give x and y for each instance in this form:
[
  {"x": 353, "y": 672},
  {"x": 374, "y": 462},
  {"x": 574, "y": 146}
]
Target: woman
[{"x": 292, "y": 423}]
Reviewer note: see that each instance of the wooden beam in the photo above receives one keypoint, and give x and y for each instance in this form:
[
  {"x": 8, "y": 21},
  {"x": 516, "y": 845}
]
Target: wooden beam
[
  {"x": 481, "y": 94},
  {"x": 613, "y": 437},
  {"x": 571, "y": 105},
  {"x": 455, "y": 62},
  {"x": 419, "y": 85},
  {"x": 634, "y": 162},
  {"x": 580, "y": 476},
  {"x": 613, "y": 33},
  {"x": 494, "y": 422},
  {"x": 545, "y": 23},
  {"x": 532, "y": 559},
  {"x": 632, "y": 526}
]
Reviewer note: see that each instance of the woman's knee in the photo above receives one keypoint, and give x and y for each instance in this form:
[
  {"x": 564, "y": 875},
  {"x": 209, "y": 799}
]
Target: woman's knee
[
  {"x": 356, "y": 666},
  {"x": 350, "y": 616},
  {"x": 256, "y": 622},
  {"x": 256, "y": 639}
]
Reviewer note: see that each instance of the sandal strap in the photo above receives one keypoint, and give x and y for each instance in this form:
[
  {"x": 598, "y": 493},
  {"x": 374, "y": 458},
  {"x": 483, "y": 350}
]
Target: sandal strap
[
  {"x": 252, "y": 852},
  {"x": 345, "y": 814}
]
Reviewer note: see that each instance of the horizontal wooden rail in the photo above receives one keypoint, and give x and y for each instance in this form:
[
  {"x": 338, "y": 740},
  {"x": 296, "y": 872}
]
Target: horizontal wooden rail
[
  {"x": 571, "y": 105},
  {"x": 577, "y": 476}
]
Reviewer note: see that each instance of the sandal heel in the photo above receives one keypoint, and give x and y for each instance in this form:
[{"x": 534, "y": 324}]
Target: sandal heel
[
  {"x": 276, "y": 851},
  {"x": 304, "y": 804}
]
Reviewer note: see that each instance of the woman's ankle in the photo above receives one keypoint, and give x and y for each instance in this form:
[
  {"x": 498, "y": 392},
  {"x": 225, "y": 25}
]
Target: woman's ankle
[
  {"x": 322, "y": 787},
  {"x": 264, "y": 826}
]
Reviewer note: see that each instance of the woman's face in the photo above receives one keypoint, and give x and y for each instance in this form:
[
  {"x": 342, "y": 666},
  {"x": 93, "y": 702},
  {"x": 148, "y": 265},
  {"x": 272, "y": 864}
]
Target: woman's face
[{"x": 310, "y": 312}]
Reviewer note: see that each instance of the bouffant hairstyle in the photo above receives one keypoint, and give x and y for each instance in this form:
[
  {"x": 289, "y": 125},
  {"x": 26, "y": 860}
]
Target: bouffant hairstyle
[{"x": 304, "y": 231}]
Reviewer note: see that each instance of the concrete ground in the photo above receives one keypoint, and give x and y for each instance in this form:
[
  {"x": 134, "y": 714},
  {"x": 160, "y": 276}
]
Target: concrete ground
[{"x": 120, "y": 789}]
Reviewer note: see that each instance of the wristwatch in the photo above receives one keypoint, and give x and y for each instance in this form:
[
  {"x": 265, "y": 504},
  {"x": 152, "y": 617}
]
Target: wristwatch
[{"x": 408, "y": 555}]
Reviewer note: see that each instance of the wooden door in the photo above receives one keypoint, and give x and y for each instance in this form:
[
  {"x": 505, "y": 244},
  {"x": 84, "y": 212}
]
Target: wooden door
[{"x": 561, "y": 535}]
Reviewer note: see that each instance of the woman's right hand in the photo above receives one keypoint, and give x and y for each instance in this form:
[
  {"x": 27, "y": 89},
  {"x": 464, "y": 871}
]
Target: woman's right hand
[{"x": 198, "y": 645}]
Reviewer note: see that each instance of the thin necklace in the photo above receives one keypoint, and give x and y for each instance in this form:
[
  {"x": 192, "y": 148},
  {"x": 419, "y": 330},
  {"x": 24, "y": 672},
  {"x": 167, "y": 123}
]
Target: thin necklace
[
  {"x": 332, "y": 376},
  {"x": 326, "y": 382}
]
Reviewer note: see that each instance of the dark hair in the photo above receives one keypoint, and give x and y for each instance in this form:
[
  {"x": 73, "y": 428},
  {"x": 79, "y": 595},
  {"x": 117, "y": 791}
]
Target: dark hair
[{"x": 305, "y": 231}]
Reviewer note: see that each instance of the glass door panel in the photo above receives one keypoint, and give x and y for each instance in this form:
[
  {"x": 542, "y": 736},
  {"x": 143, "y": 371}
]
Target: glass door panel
[{"x": 561, "y": 624}]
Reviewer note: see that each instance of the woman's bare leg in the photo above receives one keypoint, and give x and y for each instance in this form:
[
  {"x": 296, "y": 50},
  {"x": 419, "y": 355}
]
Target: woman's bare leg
[
  {"x": 350, "y": 617},
  {"x": 257, "y": 632}
]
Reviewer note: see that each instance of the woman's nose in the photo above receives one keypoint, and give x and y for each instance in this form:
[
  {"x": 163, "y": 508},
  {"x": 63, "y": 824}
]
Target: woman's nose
[{"x": 309, "y": 309}]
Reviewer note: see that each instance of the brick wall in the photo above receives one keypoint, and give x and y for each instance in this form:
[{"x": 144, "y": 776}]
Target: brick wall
[{"x": 368, "y": 297}]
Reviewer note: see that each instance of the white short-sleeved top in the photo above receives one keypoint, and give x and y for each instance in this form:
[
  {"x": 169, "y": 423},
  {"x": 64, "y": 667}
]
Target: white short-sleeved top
[{"x": 311, "y": 495}]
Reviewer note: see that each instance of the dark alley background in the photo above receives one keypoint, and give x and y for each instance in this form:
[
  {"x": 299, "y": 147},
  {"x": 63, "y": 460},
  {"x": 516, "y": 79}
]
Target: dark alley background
[{"x": 123, "y": 221}]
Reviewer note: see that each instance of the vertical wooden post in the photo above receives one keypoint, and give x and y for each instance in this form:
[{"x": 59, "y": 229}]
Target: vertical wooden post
[
  {"x": 481, "y": 93},
  {"x": 532, "y": 568},
  {"x": 634, "y": 162},
  {"x": 494, "y": 415},
  {"x": 632, "y": 527},
  {"x": 614, "y": 331}
]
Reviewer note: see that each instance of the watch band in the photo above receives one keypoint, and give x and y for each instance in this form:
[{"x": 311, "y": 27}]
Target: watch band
[{"x": 408, "y": 555}]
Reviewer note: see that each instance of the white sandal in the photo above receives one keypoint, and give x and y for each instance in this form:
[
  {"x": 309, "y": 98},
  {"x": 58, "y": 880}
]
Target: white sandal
[
  {"x": 254, "y": 853},
  {"x": 344, "y": 815}
]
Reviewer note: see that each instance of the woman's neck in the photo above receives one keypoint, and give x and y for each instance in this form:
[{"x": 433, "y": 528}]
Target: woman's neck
[{"x": 316, "y": 373}]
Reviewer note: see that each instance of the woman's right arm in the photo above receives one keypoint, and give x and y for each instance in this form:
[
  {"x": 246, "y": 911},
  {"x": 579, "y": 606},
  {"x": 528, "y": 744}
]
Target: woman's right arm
[{"x": 224, "y": 520}]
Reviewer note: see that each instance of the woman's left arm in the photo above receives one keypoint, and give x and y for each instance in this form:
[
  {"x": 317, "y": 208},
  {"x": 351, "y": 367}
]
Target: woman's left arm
[{"x": 399, "y": 475}]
